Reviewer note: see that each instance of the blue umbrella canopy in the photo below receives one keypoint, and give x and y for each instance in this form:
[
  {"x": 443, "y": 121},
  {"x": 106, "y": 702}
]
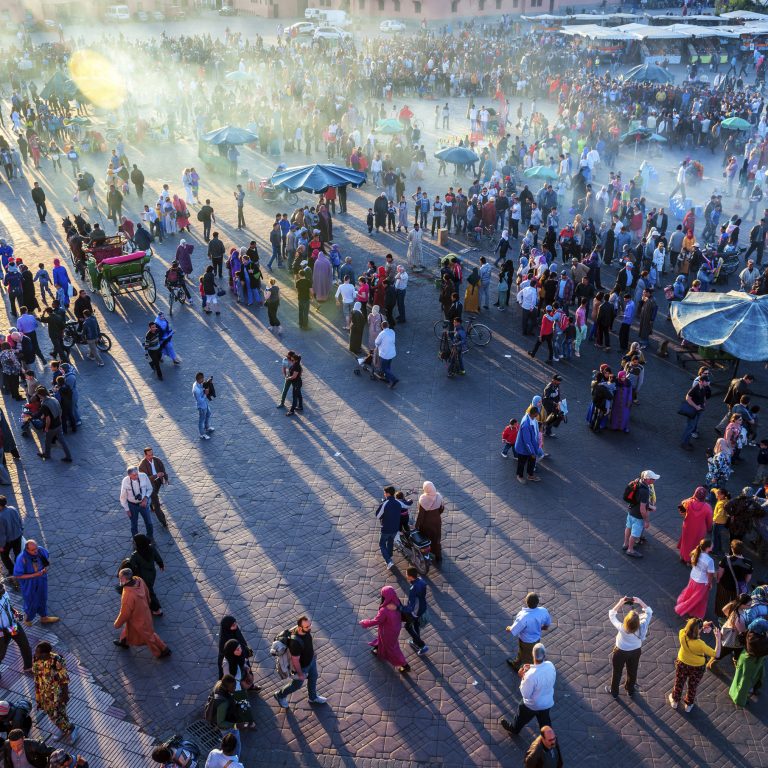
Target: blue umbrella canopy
[
  {"x": 735, "y": 321},
  {"x": 230, "y": 134},
  {"x": 317, "y": 178},
  {"x": 540, "y": 172},
  {"x": 457, "y": 156},
  {"x": 649, "y": 73}
]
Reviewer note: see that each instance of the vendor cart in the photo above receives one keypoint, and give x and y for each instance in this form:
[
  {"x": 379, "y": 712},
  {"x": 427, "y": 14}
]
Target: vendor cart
[{"x": 112, "y": 272}]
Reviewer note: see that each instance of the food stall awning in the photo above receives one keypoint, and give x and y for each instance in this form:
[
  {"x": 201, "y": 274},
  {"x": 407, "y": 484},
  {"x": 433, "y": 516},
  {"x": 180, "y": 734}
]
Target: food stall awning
[
  {"x": 595, "y": 32},
  {"x": 695, "y": 30},
  {"x": 646, "y": 32},
  {"x": 744, "y": 16},
  {"x": 677, "y": 18}
]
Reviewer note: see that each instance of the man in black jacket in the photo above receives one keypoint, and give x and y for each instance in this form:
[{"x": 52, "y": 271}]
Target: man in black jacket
[
  {"x": 736, "y": 389},
  {"x": 137, "y": 179},
  {"x": 216, "y": 252},
  {"x": 544, "y": 751},
  {"x": 36, "y": 752},
  {"x": 388, "y": 514},
  {"x": 38, "y": 195}
]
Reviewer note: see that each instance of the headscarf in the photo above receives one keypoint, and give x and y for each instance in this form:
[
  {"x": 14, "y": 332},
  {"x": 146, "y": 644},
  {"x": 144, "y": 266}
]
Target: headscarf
[
  {"x": 382, "y": 273},
  {"x": 375, "y": 310},
  {"x": 227, "y": 633},
  {"x": 505, "y": 234},
  {"x": 357, "y": 307},
  {"x": 430, "y": 499},
  {"x": 389, "y": 596},
  {"x": 536, "y": 402},
  {"x": 722, "y": 446},
  {"x": 700, "y": 494},
  {"x": 235, "y": 662},
  {"x": 474, "y": 277}
]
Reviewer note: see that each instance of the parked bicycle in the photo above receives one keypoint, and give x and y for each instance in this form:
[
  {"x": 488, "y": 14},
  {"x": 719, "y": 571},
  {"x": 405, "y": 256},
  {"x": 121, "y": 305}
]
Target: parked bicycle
[{"x": 478, "y": 335}]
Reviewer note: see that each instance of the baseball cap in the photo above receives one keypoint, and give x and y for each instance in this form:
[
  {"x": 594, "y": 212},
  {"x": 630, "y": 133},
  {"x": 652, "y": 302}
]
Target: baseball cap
[
  {"x": 649, "y": 474},
  {"x": 549, "y": 307}
]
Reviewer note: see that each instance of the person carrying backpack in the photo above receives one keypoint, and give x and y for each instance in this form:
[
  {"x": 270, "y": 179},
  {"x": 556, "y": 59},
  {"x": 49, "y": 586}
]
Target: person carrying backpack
[
  {"x": 303, "y": 664},
  {"x": 640, "y": 495},
  {"x": 224, "y": 712}
]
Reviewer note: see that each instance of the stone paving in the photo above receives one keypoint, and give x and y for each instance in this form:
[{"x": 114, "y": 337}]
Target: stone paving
[{"x": 273, "y": 517}]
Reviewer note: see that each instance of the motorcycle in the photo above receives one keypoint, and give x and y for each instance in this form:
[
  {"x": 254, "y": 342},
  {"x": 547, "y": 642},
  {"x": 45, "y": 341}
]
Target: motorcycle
[
  {"x": 73, "y": 334},
  {"x": 269, "y": 192}
]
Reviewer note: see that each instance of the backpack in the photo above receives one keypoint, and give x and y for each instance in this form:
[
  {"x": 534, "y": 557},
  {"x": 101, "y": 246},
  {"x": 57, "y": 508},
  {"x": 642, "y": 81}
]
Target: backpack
[
  {"x": 211, "y": 705},
  {"x": 757, "y": 644},
  {"x": 565, "y": 321},
  {"x": 630, "y": 492},
  {"x": 279, "y": 650},
  {"x": 27, "y": 350}
]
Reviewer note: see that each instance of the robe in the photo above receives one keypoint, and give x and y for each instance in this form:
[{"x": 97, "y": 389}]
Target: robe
[
  {"x": 135, "y": 618},
  {"x": 33, "y": 591},
  {"x": 388, "y": 623},
  {"x": 321, "y": 277}
]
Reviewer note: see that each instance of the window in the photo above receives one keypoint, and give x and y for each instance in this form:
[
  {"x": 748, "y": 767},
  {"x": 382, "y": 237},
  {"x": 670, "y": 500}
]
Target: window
[
  {"x": 361, "y": 4},
  {"x": 397, "y": 6},
  {"x": 454, "y": 6},
  {"x": 515, "y": 3},
  {"x": 416, "y": 6},
  {"x": 498, "y": 5},
  {"x": 381, "y": 5},
  {"x": 480, "y": 5}
]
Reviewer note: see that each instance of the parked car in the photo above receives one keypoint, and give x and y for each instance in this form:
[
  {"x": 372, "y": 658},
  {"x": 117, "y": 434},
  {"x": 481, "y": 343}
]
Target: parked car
[
  {"x": 331, "y": 33},
  {"x": 301, "y": 29},
  {"x": 158, "y": 16},
  {"x": 176, "y": 13},
  {"x": 391, "y": 25},
  {"x": 227, "y": 10},
  {"x": 142, "y": 16}
]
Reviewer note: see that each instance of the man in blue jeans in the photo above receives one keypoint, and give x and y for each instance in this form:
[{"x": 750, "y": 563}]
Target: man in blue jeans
[
  {"x": 303, "y": 664},
  {"x": 388, "y": 515},
  {"x": 385, "y": 343},
  {"x": 695, "y": 399},
  {"x": 200, "y": 393},
  {"x": 135, "y": 492}
]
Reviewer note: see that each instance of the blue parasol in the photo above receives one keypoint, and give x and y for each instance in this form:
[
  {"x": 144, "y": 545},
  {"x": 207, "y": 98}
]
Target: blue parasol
[
  {"x": 735, "y": 321},
  {"x": 457, "y": 156},
  {"x": 317, "y": 178},
  {"x": 230, "y": 134}
]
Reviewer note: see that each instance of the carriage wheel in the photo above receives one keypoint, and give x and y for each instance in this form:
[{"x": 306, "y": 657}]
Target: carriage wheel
[
  {"x": 148, "y": 286},
  {"x": 106, "y": 293}
]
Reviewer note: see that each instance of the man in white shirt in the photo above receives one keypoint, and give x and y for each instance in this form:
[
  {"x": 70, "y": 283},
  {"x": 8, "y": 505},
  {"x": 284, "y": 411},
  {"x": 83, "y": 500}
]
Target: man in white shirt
[
  {"x": 401, "y": 286},
  {"x": 537, "y": 687},
  {"x": 385, "y": 344},
  {"x": 346, "y": 294},
  {"x": 135, "y": 492},
  {"x": 528, "y": 299}
]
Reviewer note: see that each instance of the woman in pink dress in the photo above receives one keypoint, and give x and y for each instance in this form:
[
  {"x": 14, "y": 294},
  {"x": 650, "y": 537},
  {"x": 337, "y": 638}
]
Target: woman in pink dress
[
  {"x": 693, "y": 600},
  {"x": 182, "y": 214},
  {"x": 697, "y": 523},
  {"x": 388, "y": 622}
]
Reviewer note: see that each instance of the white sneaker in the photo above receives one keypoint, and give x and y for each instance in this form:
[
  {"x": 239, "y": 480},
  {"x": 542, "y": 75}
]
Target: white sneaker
[
  {"x": 390, "y": 565},
  {"x": 672, "y": 702},
  {"x": 504, "y": 455},
  {"x": 556, "y": 359},
  {"x": 688, "y": 707},
  {"x": 318, "y": 700},
  {"x": 204, "y": 437},
  {"x": 210, "y": 429}
]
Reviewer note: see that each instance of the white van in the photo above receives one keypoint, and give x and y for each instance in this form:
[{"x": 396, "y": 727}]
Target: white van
[
  {"x": 117, "y": 13},
  {"x": 313, "y": 14},
  {"x": 336, "y": 18}
]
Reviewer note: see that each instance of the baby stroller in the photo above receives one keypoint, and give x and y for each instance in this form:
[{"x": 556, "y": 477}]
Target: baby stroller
[{"x": 365, "y": 364}]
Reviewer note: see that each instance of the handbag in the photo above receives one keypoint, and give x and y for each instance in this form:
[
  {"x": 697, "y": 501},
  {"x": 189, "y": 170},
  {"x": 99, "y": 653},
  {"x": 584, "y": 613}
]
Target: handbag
[{"x": 687, "y": 410}]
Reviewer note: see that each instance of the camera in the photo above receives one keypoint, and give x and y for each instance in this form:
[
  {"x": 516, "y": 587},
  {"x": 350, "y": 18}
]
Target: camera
[{"x": 629, "y": 601}]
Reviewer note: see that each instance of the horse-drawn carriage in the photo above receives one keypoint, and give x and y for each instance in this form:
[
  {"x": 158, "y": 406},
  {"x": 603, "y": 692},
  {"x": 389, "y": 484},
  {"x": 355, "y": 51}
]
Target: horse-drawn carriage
[{"x": 111, "y": 271}]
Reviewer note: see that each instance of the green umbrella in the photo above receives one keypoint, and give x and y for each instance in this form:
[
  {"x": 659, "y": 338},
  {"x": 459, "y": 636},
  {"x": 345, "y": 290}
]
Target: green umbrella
[
  {"x": 238, "y": 77},
  {"x": 540, "y": 172},
  {"x": 736, "y": 124},
  {"x": 78, "y": 120},
  {"x": 390, "y": 126}
]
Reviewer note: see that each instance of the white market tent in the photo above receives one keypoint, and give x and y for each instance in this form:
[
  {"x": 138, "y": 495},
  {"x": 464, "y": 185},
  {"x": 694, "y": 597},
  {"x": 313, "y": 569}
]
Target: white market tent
[
  {"x": 744, "y": 16},
  {"x": 595, "y": 32},
  {"x": 635, "y": 31}
]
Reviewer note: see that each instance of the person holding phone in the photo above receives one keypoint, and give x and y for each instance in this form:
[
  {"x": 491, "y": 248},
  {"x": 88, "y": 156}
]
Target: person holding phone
[{"x": 631, "y": 633}]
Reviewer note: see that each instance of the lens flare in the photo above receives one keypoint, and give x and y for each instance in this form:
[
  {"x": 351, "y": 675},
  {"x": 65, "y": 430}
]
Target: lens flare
[{"x": 97, "y": 78}]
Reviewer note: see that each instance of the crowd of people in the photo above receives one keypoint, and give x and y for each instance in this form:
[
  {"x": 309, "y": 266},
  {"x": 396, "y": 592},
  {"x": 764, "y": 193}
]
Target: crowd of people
[{"x": 553, "y": 245}]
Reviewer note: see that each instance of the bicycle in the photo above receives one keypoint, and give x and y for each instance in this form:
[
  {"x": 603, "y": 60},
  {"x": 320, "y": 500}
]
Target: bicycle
[
  {"x": 487, "y": 233},
  {"x": 175, "y": 293},
  {"x": 480, "y": 335}
]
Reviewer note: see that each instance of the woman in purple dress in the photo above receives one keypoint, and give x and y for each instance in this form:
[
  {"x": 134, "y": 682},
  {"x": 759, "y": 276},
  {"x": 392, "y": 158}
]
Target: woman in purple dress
[{"x": 622, "y": 403}]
